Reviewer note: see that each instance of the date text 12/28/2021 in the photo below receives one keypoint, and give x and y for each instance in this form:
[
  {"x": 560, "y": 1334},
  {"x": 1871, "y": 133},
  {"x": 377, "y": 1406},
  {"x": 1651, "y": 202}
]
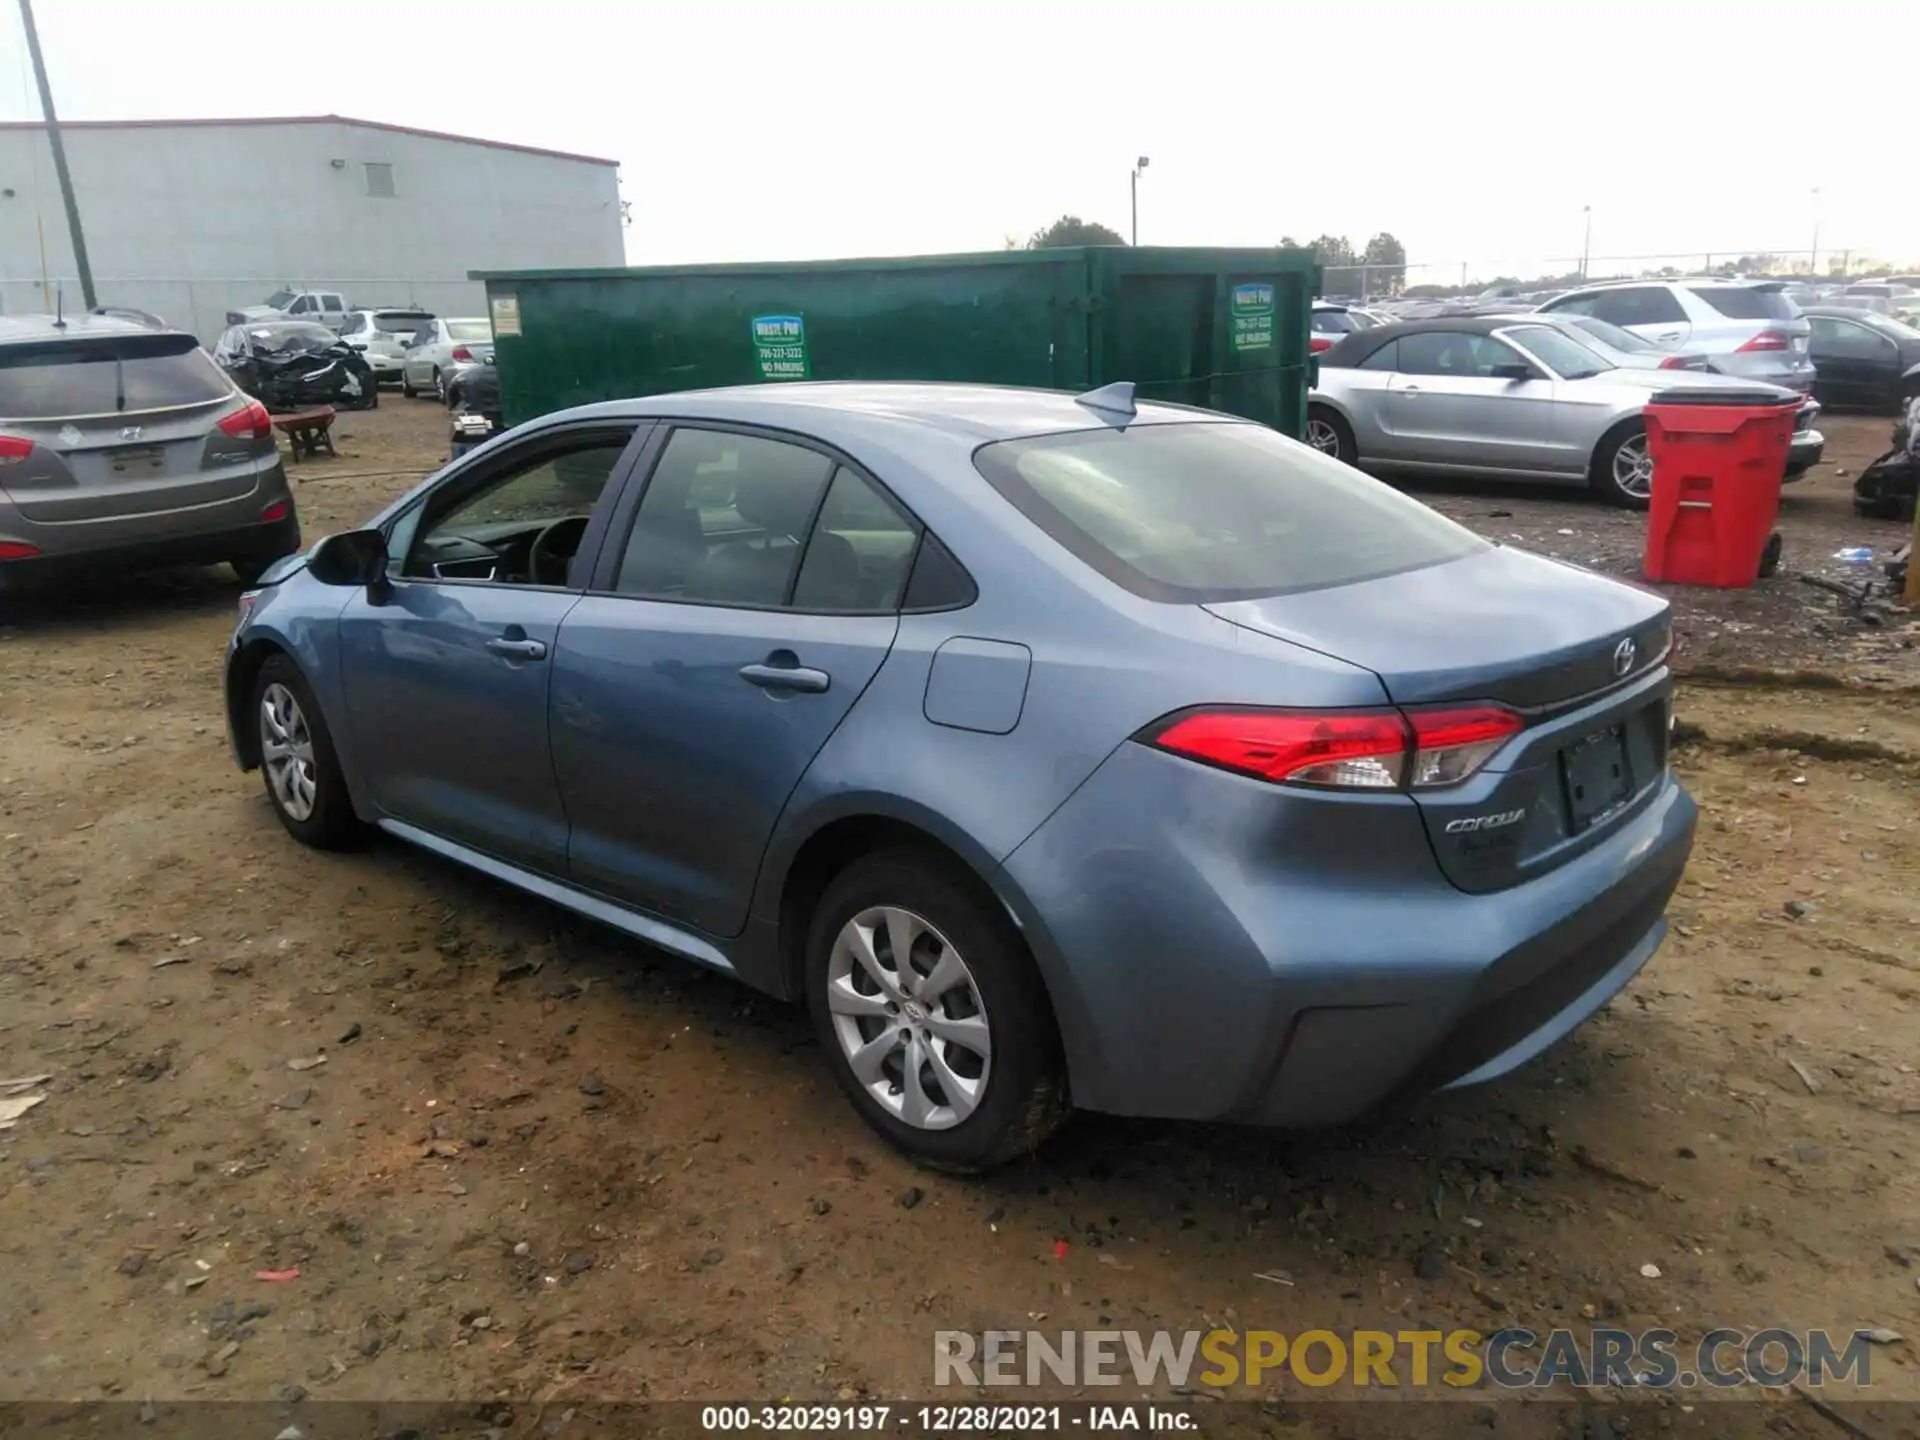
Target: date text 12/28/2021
[{"x": 869, "y": 1419}]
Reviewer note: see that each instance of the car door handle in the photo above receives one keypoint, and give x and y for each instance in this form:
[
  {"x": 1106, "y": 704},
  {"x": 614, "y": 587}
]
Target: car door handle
[
  {"x": 786, "y": 677},
  {"x": 1410, "y": 391},
  {"x": 519, "y": 649}
]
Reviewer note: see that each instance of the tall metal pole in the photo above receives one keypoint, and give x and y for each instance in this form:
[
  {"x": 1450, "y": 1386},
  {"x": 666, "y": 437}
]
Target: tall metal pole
[
  {"x": 59, "y": 155},
  {"x": 1586, "y": 245},
  {"x": 1138, "y": 166},
  {"x": 1814, "y": 261}
]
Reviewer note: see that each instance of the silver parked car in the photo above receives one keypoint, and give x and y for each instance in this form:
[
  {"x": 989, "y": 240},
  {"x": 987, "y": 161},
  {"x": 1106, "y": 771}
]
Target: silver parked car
[
  {"x": 437, "y": 347},
  {"x": 1750, "y": 327},
  {"x": 124, "y": 447},
  {"x": 1494, "y": 395},
  {"x": 382, "y": 337}
]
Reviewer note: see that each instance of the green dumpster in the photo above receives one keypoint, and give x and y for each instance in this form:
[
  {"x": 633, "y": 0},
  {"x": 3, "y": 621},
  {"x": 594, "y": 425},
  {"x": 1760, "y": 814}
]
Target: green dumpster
[{"x": 1224, "y": 329}]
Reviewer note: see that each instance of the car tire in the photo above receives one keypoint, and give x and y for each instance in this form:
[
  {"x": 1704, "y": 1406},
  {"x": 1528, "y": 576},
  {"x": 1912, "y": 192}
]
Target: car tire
[
  {"x": 439, "y": 385},
  {"x": 315, "y": 807},
  {"x": 1621, "y": 472},
  {"x": 1330, "y": 434},
  {"x": 406, "y": 386},
  {"x": 248, "y": 569},
  {"x": 993, "y": 995}
]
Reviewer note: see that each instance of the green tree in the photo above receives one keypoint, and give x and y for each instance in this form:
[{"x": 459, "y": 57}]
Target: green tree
[
  {"x": 1337, "y": 264},
  {"x": 1072, "y": 230},
  {"x": 1383, "y": 250}
]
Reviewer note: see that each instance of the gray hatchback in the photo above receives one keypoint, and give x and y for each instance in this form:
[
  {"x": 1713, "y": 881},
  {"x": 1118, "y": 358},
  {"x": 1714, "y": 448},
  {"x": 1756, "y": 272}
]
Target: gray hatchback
[
  {"x": 124, "y": 446},
  {"x": 1049, "y": 749}
]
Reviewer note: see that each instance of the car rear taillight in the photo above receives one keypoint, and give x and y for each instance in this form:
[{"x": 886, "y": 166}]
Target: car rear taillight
[
  {"x": 1449, "y": 745},
  {"x": 276, "y": 511},
  {"x": 1768, "y": 340},
  {"x": 17, "y": 550},
  {"x": 1319, "y": 344},
  {"x": 462, "y": 354},
  {"x": 1684, "y": 362},
  {"x": 14, "y": 449},
  {"x": 1345, "y": 749},
  {"x": 252, "y": 423}
]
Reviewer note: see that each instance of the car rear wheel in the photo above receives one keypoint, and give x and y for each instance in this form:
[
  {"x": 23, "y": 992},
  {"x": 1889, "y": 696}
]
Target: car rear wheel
[
  {"x": 1329, "y": 433},
  {"x": 248, "y": 569},
  {"x": 297, "y": 760},
  {"x": 406, "y": 386},
  {"x": 1622, "y": 471},
  {"x": 932, "y": 1014}
]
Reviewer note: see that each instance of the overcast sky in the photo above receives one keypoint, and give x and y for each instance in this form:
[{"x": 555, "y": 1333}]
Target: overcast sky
[{"x": 1475, "y": 130}]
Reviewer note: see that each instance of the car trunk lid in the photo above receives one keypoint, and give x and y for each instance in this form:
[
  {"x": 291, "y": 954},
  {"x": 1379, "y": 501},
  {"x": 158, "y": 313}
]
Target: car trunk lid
[{"x": 1581, "y": 657}]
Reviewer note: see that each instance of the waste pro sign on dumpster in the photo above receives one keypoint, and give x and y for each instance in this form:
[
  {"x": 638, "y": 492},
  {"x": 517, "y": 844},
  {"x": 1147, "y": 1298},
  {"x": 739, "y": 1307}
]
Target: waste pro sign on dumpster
[
  {"x": 1252, "y": 317},
  {"x": 780, "y": 347}
]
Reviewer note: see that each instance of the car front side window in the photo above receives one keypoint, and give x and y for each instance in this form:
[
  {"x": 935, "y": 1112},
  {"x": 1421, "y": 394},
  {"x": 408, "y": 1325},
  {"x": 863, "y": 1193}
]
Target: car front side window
[
  {"x": 522, "y": 522},
  {"x": 1454, "y": 353}
]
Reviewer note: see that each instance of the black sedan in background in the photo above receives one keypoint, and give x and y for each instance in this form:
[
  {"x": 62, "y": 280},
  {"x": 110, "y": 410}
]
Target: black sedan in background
[
  {"x": 1862, "y": 361},
  {"x": 294, "y": 364}
]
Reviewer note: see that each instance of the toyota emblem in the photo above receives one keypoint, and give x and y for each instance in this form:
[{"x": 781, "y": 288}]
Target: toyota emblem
[
  {"x": 1624, "y": 654},
  {"x": 131, "y": 432}
]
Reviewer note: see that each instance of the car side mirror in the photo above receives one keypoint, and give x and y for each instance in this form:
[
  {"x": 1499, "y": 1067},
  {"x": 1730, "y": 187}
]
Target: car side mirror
[
  {"x": 354, "y": 557},
  {"x": 1515, "y": 371}
]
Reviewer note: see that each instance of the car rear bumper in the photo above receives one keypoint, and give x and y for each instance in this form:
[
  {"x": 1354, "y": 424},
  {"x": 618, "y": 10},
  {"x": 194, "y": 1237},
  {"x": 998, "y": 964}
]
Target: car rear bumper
[
  {"x": 1215, "y": 950},
  {"x": 1805, "y": 452},
  {"x": 257, "y": 541}
]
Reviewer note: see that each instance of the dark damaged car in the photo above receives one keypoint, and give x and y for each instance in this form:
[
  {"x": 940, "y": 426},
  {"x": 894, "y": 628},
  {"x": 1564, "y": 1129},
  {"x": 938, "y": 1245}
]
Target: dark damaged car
[{"x": 294, "y": 364}]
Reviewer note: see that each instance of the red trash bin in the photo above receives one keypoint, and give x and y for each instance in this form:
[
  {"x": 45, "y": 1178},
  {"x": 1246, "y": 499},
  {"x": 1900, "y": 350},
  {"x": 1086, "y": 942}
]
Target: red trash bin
[{"x": 1719, "y": 456}]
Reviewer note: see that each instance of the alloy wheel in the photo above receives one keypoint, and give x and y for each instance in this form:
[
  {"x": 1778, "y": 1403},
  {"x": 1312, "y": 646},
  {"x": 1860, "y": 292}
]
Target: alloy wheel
[
  {"x": 1633, "y": 467},
  {"x": 1323, "y": 437},
  {"x": 286, "y": 750},
  {"x": 909, "y": 1018}
]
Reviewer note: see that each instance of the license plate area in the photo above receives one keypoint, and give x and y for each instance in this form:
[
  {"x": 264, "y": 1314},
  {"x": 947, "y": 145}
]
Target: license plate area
[
  {"x": 1596, "y": 777},
  {"x": 126, "y": 459}
]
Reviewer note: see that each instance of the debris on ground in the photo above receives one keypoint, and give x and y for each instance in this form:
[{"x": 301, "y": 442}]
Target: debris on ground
[{"x": 12, "y": 1107}]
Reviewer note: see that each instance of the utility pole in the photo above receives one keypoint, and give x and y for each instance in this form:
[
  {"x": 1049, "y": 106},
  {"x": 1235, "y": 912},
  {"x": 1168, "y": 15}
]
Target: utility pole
[
  {"x": 1586, "y": 245},
  {"x": 1815, "y": 265},
  {"x": 59, "y": 155},
  {"x": 1138, "y": 166}
]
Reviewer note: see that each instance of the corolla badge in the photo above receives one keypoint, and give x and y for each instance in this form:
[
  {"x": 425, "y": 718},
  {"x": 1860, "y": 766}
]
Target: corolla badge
[
  {"x": 1624, "y": 654},
  {"x": 1486, "y": 822}
]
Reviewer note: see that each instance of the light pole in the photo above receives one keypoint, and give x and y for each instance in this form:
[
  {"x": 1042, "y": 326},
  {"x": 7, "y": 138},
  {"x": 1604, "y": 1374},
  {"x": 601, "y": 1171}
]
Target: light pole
[
  {"x": 58, "y": 146},
  {"x": 1813, "y": 265},
  {"x": 1586, "y": 245},
  {"x": 1138, "y": 166}
]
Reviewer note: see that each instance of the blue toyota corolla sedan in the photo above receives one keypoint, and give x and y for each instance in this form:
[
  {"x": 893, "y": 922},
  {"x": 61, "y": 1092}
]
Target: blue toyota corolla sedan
[{"x": 1054, "y": 750}]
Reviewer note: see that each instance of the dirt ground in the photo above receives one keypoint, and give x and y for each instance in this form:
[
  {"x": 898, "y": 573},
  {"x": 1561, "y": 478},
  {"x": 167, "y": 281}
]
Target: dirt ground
[{"x": 537, "y": 1162}]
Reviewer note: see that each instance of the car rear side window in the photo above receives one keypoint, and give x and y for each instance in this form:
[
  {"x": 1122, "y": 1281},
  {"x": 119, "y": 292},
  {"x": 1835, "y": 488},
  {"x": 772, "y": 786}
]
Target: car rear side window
[
  {"x": 1189, "y": 513},
  {"x": 723, "y": 519},
  {"x": 1638, "y": 305},
  {"x": 104, "y": 378},
  {"x": 1748, "y": 302},
  {"x": 1334, "y": 322}
]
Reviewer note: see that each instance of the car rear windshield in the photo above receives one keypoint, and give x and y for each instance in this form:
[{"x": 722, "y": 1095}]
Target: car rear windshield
[
  {"x": 398, "y": 322},
  {"x": 470, "y": 329},
  {"x": 63, "y": 380},
  {"x": 1334, "y": 322},
  {"x": 1197, "y": 512},
  {"x": 1748, "y": 302}
]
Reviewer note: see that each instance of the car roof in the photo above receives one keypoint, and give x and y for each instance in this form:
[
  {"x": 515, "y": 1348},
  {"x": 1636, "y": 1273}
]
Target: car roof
[
  {"x": 1684, "y": 281},
  {"x": 1846, "y": 312},
  {"x": 20, "y": 329},
  {"x": 853, "y": 409}
]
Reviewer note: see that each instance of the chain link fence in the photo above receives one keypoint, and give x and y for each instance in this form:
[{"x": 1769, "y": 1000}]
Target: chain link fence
[
  {"x": 200, "y": 306},
  {"x": 1443, "y": 278}
]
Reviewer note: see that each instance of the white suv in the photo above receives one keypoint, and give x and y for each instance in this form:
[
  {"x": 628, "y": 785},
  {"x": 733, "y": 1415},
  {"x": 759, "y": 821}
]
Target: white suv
[
  {"x": 1750, "y": 327},
  {"x": 382, "y": 336}
]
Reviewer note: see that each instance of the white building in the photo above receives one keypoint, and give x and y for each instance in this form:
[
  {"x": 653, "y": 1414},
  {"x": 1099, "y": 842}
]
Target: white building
[{"x": 191, "y": 218}]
